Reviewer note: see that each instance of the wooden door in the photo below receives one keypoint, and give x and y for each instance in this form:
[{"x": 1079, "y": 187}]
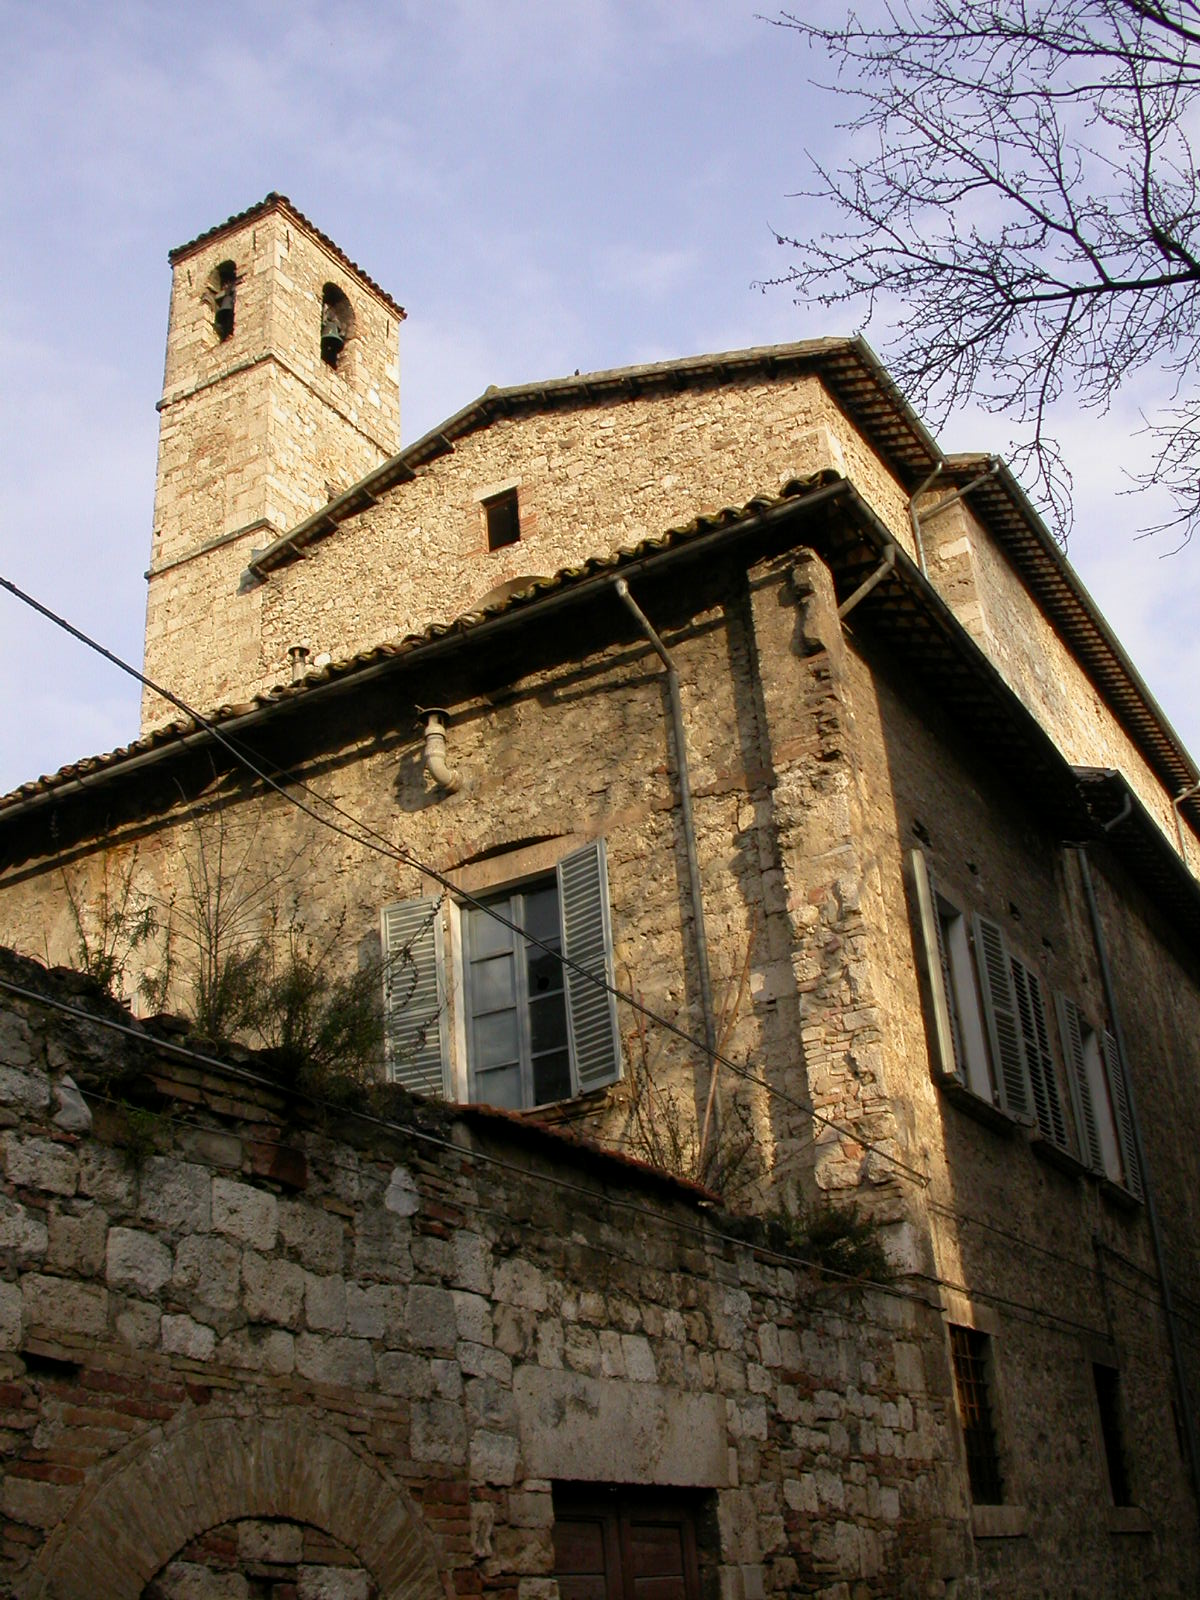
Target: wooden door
[{"x": 624, "y": 1545}]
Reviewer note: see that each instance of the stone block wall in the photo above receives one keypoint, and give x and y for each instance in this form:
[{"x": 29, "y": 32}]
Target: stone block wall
[
  {"x": 244, "y": 1339},
  {"x": 256, "y": 431},
  {"x": 591, "y": 479},
  {"x": 763, "y": 684}
]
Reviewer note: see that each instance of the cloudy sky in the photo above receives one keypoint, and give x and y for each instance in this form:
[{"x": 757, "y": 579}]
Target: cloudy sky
[{"x": 545, "y": 184}]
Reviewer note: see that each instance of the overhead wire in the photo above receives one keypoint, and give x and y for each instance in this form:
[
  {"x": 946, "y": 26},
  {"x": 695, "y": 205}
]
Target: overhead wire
[
  {"x": 425, "y": 1136},
  {"x": 1024, "y": 1310},
  {"x": 370, "y": 838}
]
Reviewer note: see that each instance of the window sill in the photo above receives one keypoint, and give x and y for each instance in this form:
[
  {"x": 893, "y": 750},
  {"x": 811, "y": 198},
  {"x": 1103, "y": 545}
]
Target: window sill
[
  {"x": 1119, "y": 1195},
  {"x": 999, "y": 1522},
  {"x": 1054, "y": 1156},
  {"x": 1128, "y": 1519},
  {"x": 982, "y": 1110}
]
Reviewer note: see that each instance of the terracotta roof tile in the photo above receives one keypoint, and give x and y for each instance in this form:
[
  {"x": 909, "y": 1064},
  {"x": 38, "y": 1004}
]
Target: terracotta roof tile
[{"x": 280, "y": 202}]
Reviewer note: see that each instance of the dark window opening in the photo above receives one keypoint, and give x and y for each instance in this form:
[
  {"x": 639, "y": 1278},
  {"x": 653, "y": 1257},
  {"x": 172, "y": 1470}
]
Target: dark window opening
[
  {"x": 1108, "y": 1398},
  {"x": 52, "y": 1368},
  {"x": 337, "y": 324},
  {"x": 971, "y": 1353},
  {"x": 631, "y": 1544},
  {"x": 503, "y": 518},
  {"x": 224, "y": 293}
]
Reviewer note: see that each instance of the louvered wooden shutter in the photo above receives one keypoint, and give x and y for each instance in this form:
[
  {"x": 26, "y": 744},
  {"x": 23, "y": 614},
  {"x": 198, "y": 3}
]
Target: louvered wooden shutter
[
  {"x": 587, "y": 941},
  {"x": 1000, "y": 1013},
  {"x": 946, "y": 1044},
  {"x": 1120, "y": 1100},
  {"x": 414, "y": 1006},
  {"x": 1043, "y": 1080},
  {"x": 1071, "y": 1028}
]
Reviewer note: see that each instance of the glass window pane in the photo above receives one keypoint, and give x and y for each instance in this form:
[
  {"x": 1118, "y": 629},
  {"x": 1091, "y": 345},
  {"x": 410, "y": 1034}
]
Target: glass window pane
[
  {"x": 499, "y": 1088},
  {"x": 548, "y": 1024},
  {"x": 487, "y": 936},
  {"x": 493, "y": 984},
  {"x": 551, "y": 1077},
  {"x": 494, "y": 1040},
  {"x": 541, "y": 913},
  {"x": 545, "y": 972}
]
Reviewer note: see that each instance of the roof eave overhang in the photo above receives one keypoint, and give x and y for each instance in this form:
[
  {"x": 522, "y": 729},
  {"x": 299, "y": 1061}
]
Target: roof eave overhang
[{"x": 903, "y": 612}]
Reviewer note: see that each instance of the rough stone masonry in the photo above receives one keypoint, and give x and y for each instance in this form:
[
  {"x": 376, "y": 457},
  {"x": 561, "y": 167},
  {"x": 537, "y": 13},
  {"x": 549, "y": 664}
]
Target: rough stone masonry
[{"x": 254, "y": 1345}]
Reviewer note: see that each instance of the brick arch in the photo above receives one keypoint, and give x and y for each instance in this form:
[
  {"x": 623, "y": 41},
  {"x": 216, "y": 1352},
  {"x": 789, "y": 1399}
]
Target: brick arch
[{"x": 174, "y": 1485}]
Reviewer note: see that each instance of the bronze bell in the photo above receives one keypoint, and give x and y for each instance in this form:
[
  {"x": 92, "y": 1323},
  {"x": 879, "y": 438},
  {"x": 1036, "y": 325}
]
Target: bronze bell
[
  {"x": 223, "y": 317},
  {"x": 332, "y": 337}
]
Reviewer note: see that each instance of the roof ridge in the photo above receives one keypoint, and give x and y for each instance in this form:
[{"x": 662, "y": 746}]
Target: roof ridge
[{"x": 274, "y": 201}]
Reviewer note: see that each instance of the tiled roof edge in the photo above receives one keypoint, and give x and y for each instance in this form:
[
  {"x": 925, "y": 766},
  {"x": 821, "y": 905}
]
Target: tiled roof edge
[
  {"x": 178, "y": 734},
  {"x": 280, "y": 202},
  {"x": 1056, "y": 585},
  {"x": 833, "y": 358}
]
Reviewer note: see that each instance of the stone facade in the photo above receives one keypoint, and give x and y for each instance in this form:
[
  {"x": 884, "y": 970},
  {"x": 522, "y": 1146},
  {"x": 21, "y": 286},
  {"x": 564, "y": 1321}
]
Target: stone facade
[
  {"x": 256, "y": 429},
  {"x": 266, "y": 1345},
  {"x": 882, "y": 781}
]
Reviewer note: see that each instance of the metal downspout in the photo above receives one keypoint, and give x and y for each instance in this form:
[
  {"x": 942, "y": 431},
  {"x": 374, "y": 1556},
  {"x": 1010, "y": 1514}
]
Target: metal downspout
[
  {"x": 1185, "y": 1408},
  {"x": 915, "y": 521},
  {"x": 689, "y": 826}
]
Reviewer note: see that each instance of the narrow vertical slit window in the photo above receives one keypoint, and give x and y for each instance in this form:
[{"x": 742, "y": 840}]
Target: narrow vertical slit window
[
  {"x": 972, "y": 1359},
  {"x": 502, "y": 519},
  {"x": 1108, "y": 1401}
]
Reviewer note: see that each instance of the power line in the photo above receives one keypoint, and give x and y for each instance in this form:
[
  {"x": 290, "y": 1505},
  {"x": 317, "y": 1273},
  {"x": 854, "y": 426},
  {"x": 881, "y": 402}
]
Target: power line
[
  {"x": 369, "y": 838},
  {"x": 1025, "y": 1311},
  {"x": 1038, "y": 1315},
  {"x": 423, "y": 1136}
]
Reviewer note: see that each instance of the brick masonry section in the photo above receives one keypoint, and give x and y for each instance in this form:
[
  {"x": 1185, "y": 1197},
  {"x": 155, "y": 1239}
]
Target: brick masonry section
[{"x": 375, "y": 1372}]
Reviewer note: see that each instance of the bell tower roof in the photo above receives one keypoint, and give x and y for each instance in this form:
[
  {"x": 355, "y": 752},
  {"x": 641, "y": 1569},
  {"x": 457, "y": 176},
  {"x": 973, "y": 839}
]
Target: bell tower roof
[{"x": 279, "y": 202}]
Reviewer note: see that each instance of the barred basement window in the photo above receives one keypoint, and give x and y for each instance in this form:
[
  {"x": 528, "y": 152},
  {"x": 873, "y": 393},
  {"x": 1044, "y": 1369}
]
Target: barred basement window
[
  {"x": 1108, "y": 1400},
  {"x": 502, "y": 518},
  {"x": 971, "y": 1351}
]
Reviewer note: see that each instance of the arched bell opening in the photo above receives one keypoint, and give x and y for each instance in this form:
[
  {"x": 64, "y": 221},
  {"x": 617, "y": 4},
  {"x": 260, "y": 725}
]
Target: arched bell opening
[{"x": 337, "y": 324}]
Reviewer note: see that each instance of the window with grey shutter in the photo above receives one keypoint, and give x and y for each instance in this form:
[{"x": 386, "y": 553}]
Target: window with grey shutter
[
  {"x": 935, "y": 966},
  {"x": 1043, "y": 1078},
  {"x": 1124, "y": 1117},
  {"x": 1072, "y": 1027},
  {"x": 1000, "y": 1013},
  {"x": 587, "y": 942},
  {"x": 414, "y": 987}
]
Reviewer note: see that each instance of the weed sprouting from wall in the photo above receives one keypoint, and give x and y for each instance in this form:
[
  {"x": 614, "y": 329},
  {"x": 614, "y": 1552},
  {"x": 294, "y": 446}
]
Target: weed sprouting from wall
[
  {"x": 721, "y": 1149},
  {"x": 112, "y": 933}
]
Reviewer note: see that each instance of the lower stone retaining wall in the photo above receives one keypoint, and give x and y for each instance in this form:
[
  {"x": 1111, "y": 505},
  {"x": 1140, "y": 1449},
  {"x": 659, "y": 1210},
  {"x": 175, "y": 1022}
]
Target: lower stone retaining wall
[{"x": 253, "y": 1346}]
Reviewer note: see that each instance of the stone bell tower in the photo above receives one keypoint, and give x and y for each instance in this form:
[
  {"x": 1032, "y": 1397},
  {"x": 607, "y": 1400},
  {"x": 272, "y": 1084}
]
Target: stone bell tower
[{"x": 282, "y": 388}]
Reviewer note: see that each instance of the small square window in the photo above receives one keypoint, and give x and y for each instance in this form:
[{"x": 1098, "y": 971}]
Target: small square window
[
  {"x": 972, "y": 1379},
  {"x": 502, "y": 517}
]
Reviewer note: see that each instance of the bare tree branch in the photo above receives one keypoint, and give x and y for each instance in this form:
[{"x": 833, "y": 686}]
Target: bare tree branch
[{"x": 1023, "y": 182}]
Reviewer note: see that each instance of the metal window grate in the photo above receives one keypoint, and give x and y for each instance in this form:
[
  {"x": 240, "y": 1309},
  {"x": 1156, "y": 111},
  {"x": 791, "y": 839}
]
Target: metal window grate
[{"x": 970, "y": 1350}]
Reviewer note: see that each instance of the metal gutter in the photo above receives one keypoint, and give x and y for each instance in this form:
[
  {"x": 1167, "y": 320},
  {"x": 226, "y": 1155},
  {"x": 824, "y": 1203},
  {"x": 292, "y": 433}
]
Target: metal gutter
[
  {"x": 457, "y": 635},
  {"x": 687, "y": 817}
]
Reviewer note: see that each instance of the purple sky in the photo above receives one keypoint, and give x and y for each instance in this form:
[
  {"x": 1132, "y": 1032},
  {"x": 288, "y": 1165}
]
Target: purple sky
[{"x": 544, "y": 185}]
